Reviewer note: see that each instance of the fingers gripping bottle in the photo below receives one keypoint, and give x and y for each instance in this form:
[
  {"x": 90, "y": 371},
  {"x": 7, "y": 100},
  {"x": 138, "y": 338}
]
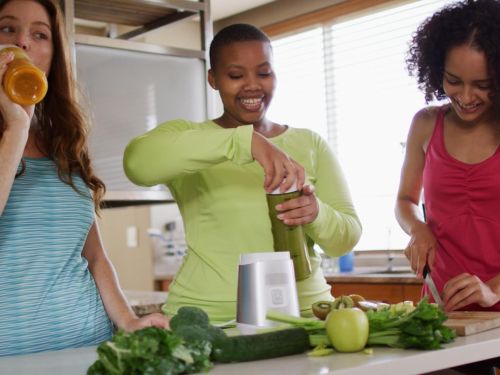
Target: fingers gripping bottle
[
  {"x": 23, "y": 82},
  {"x": 289, "y": 237}
]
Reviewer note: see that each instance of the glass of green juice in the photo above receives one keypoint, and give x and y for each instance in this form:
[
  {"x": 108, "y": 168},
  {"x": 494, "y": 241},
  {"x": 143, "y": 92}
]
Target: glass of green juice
[{"x": 289, "y": 237}]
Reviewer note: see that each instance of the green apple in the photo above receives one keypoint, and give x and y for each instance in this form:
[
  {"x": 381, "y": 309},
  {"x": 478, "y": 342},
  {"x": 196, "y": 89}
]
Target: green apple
[{"x": 347, "y": 329}]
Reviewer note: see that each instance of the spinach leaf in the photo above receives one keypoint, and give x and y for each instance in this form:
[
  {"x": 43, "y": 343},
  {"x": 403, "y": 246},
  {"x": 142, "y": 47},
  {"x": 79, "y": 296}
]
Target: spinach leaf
[{"x": 151, "y": 351}]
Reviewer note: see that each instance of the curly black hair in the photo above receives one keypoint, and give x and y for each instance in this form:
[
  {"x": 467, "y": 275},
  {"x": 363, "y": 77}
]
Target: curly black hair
[
  {"x": 238, "y": 32},
  {"x": 474, "y": 22}
]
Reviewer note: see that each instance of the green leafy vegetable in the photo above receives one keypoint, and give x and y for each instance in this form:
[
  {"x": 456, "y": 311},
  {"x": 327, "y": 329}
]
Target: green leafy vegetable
[
  {"x": 151, "y": 351},
  {"x": 420, "y": 327}
]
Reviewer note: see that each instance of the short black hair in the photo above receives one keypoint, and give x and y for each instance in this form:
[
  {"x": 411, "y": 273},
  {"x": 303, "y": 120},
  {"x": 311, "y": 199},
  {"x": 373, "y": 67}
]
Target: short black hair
[
  {"x": 238, "y": 32},
  {"x": 473, "y": 22}
]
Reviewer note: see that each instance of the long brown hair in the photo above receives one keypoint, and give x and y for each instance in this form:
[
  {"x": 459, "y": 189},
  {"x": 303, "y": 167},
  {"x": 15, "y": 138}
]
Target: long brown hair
[{"x": 63, "y": 127}]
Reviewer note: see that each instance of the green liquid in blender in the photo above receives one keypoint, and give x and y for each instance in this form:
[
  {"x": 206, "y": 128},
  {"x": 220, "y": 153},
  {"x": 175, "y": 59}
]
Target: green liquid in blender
[{"x": 289, "y": 238}]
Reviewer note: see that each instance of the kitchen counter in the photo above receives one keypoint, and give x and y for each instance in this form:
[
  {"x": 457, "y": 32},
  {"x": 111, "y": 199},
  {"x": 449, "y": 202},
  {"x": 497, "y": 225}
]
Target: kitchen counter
[
  {"x": 144, "y": 303},
  {"x": 375, "y": 275},
  {"x": 463, "y": 350},
  {"x": 373, "y": 278},
  {"x": 364, "y": 275}
]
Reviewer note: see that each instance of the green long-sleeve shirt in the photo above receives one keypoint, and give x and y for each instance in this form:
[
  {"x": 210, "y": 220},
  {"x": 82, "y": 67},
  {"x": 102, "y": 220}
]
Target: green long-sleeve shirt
[{"x": 219, "y": 190}]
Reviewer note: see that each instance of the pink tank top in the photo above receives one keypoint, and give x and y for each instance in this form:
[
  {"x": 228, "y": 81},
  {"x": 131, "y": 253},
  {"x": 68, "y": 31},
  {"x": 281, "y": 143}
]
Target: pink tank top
[{"x": 462, "y": 203}]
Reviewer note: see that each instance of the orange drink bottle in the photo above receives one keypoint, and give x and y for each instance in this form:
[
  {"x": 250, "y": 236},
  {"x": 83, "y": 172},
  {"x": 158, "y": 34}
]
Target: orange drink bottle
[{"x": 23, "y": 82}]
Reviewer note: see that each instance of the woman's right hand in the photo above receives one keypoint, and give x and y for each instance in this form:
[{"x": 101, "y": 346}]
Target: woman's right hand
[
  {"x": 279, "y": 169},
  {"x": 14, "y": 115},
  {"x": 421, "y": 249},
  {"x": 152, "y": 320}
]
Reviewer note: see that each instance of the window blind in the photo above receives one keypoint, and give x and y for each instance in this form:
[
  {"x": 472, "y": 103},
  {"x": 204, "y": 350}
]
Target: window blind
[{"x": 348, "y": 82}]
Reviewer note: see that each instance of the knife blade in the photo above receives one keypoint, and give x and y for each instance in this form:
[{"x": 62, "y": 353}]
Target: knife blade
[{"x": 432, "y": 286}]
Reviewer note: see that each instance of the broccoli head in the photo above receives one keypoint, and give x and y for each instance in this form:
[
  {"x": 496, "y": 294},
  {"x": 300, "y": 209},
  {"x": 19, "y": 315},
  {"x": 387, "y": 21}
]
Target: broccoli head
[{"x": 189, "y": 316}]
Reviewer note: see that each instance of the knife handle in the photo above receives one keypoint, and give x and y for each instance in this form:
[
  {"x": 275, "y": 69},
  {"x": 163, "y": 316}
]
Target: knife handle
[{"x": 426, "y": 270}]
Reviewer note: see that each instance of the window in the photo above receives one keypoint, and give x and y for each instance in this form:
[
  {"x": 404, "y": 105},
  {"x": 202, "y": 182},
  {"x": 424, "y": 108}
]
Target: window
[{"x": 348, "y": 82}]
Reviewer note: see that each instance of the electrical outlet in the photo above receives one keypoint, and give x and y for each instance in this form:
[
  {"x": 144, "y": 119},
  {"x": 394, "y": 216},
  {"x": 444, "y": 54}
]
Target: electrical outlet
[{"x": 132, "y": 236}]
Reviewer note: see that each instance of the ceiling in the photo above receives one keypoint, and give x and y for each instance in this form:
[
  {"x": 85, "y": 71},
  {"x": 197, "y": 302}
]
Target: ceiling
[{"x": 225, "y": 8}]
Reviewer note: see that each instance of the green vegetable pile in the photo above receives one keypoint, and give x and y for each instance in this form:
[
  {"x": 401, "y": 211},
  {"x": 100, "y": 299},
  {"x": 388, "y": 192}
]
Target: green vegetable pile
[
  {"x": 405, "y": 326},
  {"x": 400, "y": 325},
  {"x": 184, "y": 349},
  {"x": 191, "y": 345}
]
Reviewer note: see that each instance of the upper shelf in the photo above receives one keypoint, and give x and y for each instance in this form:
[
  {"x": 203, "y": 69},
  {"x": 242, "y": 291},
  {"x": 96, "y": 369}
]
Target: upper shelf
[
  {"x": 135, "y": 12},
  {"x": 145, "y": 15}
]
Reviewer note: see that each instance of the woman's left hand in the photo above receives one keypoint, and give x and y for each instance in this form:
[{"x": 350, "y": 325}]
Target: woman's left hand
[
  {"x": 300, "y": 210},
  {"x": 464, "y": 289},
  {"x": 151, "y": 320}
]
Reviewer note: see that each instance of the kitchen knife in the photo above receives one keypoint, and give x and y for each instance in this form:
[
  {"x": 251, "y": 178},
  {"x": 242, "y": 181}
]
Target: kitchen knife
[{"x": 431, "y": 285}]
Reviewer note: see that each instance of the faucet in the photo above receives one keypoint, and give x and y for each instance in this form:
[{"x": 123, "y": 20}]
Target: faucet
[{"x": 390, "y": 258}]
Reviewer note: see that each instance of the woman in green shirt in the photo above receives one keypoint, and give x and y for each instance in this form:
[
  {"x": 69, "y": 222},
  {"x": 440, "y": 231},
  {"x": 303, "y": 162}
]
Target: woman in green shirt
[{"x": 220, "y": 170}]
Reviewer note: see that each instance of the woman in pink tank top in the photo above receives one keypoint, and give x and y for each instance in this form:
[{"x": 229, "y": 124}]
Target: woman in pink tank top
[{"x": 453, "y": 155}]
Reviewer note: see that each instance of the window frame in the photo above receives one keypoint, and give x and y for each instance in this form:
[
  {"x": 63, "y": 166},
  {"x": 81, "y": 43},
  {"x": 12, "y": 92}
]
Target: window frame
[{"x": 326, "y": 16}]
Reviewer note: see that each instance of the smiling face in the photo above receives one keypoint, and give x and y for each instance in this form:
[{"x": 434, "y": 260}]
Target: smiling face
[
  {"x": 467, "y": 83},
  {"x": 245, "y": 80},
  {"x": 26, "y": 24}
]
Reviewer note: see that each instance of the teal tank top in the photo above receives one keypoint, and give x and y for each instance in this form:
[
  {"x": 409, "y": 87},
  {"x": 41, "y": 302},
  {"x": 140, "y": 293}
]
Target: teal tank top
[{"x": 48, "y": 297}]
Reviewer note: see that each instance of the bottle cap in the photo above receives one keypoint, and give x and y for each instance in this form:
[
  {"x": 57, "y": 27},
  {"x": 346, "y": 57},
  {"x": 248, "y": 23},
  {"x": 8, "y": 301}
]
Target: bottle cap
[
  {"x": 23, "y": 82},
  {"x": 28, "y": 85}
]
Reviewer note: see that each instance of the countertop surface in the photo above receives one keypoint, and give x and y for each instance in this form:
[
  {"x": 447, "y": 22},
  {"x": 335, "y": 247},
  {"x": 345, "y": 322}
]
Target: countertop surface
[
  {"x": 138, "y": 297},
  {"x": 369, "y": 275},
  {"x": 143, "y": 302},
  {"x": 383, "y": 360},
  {"x": 375, "y": 275},
  {"x": 373, "y": 278}
]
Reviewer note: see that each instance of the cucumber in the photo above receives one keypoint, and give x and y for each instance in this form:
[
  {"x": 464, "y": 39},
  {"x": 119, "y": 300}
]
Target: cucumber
[{"x": 273, "y": 344}]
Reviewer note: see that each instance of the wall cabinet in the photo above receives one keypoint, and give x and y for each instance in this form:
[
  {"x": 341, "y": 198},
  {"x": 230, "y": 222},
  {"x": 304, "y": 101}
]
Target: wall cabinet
[{"x": 130, "y": 86}]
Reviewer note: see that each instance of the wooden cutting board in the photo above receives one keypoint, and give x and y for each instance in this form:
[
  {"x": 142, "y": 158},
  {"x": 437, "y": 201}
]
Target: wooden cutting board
[{"x": 470, "y": 322}]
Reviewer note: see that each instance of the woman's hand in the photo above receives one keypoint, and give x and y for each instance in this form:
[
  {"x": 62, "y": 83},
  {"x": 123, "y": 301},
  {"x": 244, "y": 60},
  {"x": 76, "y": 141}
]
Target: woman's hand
[
  {"x": 301, "y": 210},
  {"x": 421, "y": 249},
  {"x": 464, "y": 289},
  {"x": 151, "y": 320},
  {"x": 279, "y": 169}
]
